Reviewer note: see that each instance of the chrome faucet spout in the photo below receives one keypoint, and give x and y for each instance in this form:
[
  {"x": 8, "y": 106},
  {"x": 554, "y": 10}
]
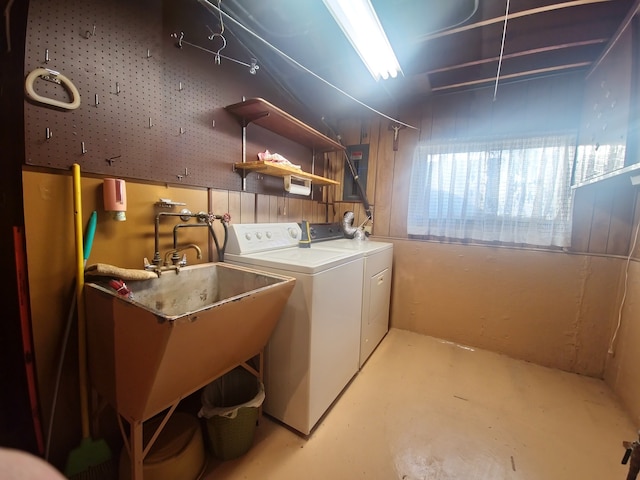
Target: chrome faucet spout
[{"x": 175, "y": 258}]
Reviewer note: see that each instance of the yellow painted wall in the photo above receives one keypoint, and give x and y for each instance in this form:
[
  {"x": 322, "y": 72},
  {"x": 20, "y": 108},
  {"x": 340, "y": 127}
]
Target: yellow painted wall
[
  {"x": 623, "y": 360},
  {"x": 49, "y": 217},
  {"x": 623, "y": 368},
  {"x": 550, "y": 308}
]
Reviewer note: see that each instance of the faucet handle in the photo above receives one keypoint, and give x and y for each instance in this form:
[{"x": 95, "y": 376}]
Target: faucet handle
[{"x": 175, "y": 258}]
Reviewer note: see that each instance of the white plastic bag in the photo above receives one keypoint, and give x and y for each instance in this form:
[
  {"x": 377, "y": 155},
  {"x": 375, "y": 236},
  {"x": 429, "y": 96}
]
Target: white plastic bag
[{"x": 227, "y": 394}]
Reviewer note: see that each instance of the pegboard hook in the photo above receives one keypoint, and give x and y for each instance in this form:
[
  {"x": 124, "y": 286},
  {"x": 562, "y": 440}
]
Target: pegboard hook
[
  {"x": 179, "y": 37},
  {"x": 90, "y": 33}
]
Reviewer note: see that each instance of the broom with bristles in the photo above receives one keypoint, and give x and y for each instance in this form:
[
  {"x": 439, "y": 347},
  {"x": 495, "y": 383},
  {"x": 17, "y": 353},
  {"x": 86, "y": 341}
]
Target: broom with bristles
[{"x": 92, "y": 459}]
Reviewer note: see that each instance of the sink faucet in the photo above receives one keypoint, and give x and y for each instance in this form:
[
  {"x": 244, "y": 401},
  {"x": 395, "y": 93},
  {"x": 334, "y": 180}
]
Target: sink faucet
[
  {"x": 203, "y": 220},
  {"x": 175, "y": 258}
]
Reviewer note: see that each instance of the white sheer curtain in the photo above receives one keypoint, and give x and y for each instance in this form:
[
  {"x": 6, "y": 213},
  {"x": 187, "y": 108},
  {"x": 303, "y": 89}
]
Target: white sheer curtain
[{"x": 511, "y": 191}]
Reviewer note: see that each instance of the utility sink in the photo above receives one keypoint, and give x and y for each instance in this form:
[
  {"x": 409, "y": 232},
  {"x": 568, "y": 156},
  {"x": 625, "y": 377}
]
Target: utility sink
[{"x": 178, "y": 332}]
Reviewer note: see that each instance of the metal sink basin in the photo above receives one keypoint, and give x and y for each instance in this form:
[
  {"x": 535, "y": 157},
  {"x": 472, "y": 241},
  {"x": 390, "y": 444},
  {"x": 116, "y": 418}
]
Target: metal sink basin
[{"x": 177, "y": 332}]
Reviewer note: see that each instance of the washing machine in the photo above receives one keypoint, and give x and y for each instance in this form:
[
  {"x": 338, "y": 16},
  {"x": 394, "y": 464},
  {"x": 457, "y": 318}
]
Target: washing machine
[
  {"x": 314, "y": 350},
  {"x": 376, "y": 281}
]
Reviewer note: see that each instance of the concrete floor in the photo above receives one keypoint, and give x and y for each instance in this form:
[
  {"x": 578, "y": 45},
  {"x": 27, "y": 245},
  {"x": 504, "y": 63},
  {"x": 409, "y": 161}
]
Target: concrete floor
[{"x": 422, "y": 408}]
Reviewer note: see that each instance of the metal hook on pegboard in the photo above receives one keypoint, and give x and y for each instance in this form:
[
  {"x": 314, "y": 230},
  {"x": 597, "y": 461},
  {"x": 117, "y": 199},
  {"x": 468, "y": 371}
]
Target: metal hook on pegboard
[
  {"x": 90, "y": 33},
  {"x": 179, "y": 37}
]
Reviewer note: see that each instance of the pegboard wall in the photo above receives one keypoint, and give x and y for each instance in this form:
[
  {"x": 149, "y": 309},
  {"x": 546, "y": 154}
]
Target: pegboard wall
[
  {"x": 149, "y": 110},
  {"x": 603, "y": 135}
]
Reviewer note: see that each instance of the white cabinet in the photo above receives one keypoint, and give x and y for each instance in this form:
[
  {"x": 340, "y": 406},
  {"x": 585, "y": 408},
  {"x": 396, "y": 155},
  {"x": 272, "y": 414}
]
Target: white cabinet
[{"x": 375, "y": 301}]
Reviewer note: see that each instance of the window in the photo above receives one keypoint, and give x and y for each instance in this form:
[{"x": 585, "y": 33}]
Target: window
[{"x": 511, "y": 190}]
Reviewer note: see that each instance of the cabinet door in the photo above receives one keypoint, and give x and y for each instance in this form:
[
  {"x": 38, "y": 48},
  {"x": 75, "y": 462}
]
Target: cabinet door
[{"x": 375, "y": 320}]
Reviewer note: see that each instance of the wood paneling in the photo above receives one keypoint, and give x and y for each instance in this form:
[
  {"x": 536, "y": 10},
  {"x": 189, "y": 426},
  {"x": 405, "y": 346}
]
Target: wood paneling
[
  {"x": 601, "y": 220},
  {"x": 403, "y": 160},
  {"x": 603, "y": 211},
  {"x": 373, "y": 139},
  {"x": 583, "y": 207},
  {"x": 384, "y": 181}
]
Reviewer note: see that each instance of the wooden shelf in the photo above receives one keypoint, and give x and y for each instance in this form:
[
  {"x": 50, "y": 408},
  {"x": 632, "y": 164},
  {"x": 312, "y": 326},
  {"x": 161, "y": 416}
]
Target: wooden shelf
[
  {"x": 266, "y": 115},
  {"x": 270, "y": 117},
  {"x": 276, "y": 170}
]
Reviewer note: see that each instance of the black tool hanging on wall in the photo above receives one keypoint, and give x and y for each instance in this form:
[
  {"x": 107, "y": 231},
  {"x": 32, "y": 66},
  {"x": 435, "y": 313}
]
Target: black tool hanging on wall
[{"x": 354, "y": 172}]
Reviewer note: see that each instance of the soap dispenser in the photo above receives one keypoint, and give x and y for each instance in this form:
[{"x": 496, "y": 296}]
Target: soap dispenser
[{"x": 115, "y": 198}]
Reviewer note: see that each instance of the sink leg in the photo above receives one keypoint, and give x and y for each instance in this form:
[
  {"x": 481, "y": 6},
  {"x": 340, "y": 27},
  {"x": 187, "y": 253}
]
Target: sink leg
[
  {"x": 134, "y": 442},
  {"x": 257, "y": 371},
  {"x": 137, "y": 455}
]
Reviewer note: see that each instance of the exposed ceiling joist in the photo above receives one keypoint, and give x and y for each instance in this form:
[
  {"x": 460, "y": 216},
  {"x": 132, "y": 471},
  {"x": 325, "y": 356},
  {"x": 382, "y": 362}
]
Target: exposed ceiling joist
[
  {"x": 533, "y": 51},
  {"x": 456, "y": 49},
  {"x": 511, "y": 16},
  {"x": 528, "y": 73}
]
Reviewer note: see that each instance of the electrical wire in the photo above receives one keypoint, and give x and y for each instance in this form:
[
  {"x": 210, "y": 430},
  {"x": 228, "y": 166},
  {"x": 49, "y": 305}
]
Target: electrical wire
[
  {"x": 206, "y": 3},
  {"x": 504, "y": 34},
  {"x": 221, "y": 21},
  {"x": 624, "y": 294},
  {"x": 476, "y": 4}
]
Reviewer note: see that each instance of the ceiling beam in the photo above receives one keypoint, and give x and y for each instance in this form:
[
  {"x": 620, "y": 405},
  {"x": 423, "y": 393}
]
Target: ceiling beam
[
  {"x": 527, "y": 73},
  {"x": 524, "y": 13},
  {"x": 533, "y": 51}
]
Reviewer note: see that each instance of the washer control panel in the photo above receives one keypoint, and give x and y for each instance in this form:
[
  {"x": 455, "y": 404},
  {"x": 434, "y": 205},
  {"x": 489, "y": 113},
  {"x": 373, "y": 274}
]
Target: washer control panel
[
  {"x": 325, "y": 231},
  {"x": 247, "y": 238}
]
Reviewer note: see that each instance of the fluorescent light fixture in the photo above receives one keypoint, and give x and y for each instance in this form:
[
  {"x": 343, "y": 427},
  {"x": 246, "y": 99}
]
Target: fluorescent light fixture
[{"x": 361, "y": 25}]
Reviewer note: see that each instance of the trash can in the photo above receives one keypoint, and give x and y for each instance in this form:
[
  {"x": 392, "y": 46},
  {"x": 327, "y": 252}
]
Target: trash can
[{"x": 230, "y": 406}]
